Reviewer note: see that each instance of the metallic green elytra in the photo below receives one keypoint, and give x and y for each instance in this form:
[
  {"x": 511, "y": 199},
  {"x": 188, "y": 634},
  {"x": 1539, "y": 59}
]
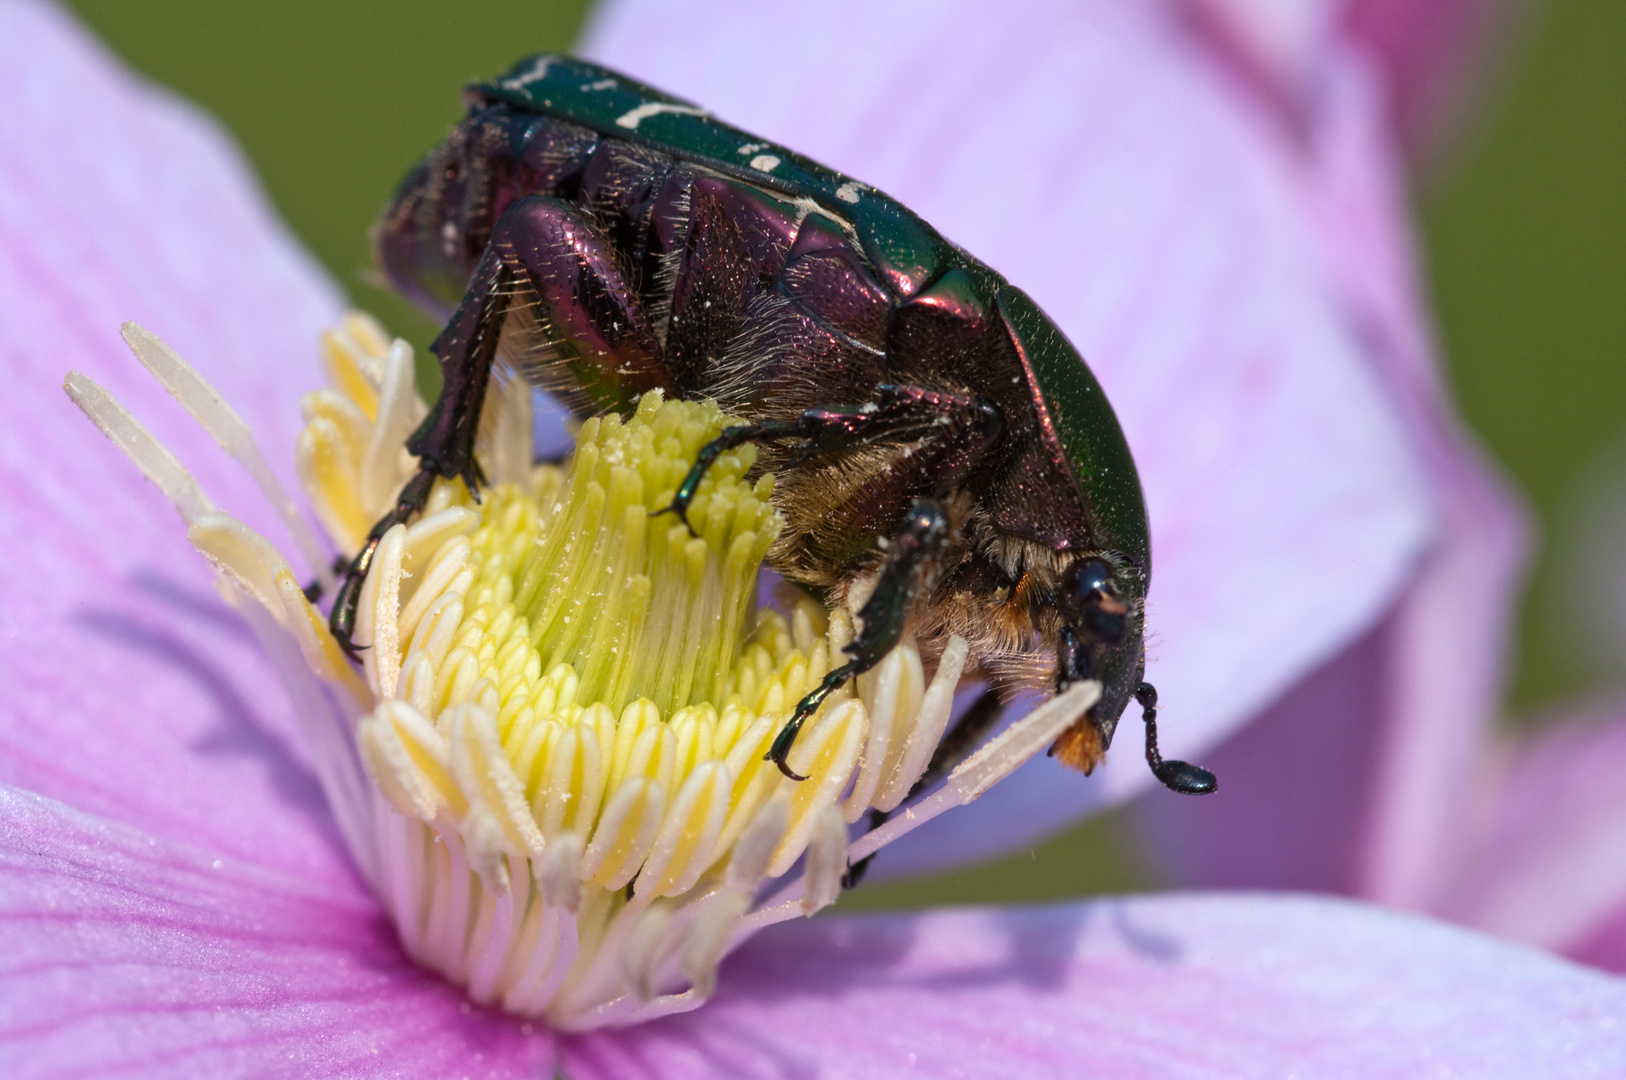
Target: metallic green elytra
[{"x": 945, "y": 461}]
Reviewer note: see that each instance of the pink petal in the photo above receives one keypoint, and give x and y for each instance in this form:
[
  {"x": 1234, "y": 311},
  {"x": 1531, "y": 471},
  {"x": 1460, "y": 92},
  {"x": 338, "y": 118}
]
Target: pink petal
[
  {"x": 124, "y": 955},
  {"x": 1277, "y": 48},
  {"x": 1153, "y": 987},
  {"x": 1295, "y": 801},
  {"x": 1430, "y": 54},
  {"x": 1414, "y": 702},
  {"x": 1433, "y": 54},
  {"x": 132, "y": 691},
  {"x": 1546, "y": 864},
  {"x": 1101, "y": 157}
]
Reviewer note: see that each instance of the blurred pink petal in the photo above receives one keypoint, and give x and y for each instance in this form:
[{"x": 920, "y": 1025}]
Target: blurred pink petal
[
  {"x": 1434, "y": 54},
  {"x": 131, "y": 690},
  {"x": 1547, "y": 864},
  {"x": 1277, "y": 48},
  {"x": 1429, "y": 55},
  {"x": 1244, "y": 290},
  {"x": 1401, "y": 722},
  {"x": 1153, "y": 987}
]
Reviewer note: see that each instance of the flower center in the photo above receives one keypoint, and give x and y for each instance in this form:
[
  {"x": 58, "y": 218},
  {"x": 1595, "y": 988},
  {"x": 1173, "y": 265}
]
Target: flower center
[
  {"x": 552, "y": 768},
  {"x": 578, "y": 698}
]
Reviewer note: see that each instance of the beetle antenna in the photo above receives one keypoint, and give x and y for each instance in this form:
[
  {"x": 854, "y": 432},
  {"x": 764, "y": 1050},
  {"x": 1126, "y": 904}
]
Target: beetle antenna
[{"x": 1181, "y": 776}]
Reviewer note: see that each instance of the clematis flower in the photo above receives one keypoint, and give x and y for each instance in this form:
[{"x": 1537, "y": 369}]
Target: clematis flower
[
  {"x": 553, "y": 768},
  {"x": 176, "y": 892}
]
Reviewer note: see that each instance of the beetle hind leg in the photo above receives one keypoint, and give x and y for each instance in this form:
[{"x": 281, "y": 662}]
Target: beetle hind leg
[
  {"x": 342, "y": 619},
  {"x": 550, "y": 263}
]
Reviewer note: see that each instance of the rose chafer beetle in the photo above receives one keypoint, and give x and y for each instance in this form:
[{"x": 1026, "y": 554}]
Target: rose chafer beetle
[{"x": 943, "y": 454}]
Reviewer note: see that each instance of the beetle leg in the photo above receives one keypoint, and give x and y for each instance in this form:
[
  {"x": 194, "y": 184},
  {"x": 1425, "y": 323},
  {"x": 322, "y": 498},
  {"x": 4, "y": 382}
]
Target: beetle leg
[
  {"x": 313, "y": 591},
  {"x": 962, "y": 738},
  {"x": 898, "y": 414},
  {"x": 729, "y": 438},
  {"x": 855, "y": 871},
  {"x": 1181, "y": 776},
  {"x": 923, "y": 529},
  {"x": 549, "y": 262},
  {"x": 342, "y": 620}
]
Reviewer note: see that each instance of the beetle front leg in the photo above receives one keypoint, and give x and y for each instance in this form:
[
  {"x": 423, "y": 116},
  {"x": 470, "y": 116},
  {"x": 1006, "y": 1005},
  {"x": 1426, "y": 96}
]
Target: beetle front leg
[{"x": 919, "y": 536}]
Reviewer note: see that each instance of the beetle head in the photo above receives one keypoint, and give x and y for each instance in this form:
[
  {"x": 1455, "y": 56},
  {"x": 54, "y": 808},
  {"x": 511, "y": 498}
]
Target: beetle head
[{"x": 1100, "y": 598}]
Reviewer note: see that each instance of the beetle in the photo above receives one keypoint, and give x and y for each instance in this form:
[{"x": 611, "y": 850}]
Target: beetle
[{"x": 943, "y": 453}]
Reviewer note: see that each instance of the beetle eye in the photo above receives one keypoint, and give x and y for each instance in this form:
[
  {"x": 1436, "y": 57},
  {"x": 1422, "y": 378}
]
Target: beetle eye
[{"x": 1083, "y": 580}]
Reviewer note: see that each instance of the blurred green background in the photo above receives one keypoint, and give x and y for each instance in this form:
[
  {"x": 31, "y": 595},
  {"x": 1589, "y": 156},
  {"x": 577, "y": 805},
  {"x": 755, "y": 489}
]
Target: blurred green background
[{"x": 1524, "y": 235}]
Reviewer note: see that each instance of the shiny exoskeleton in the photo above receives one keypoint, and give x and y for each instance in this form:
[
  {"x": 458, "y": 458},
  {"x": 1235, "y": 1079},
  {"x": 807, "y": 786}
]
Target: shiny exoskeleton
[{"x": 944, "y": 458}]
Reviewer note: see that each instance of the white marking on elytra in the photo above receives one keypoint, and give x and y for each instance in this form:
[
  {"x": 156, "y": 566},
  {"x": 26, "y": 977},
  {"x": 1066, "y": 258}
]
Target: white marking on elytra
[
  {"x": 848, "y": 192},
  {"x": 539, "y": 71},
  {"x": 752, "y": 147},
  {"x": 764, "y": 163},
  {"x": 805, "y": 206},
  {"x": 602, "y": 84},
  {"x": 632, "y": 119}
]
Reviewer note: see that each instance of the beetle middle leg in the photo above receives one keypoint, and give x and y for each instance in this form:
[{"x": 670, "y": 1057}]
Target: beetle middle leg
[
  {"x": 898, "y": 414},
  {"x": 548, "y": 263},
  {"x": 923, "y": 529}
]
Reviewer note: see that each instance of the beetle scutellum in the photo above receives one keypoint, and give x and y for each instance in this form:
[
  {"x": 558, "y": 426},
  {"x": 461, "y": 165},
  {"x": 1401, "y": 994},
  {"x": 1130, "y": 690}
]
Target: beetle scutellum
[{"x": 938, "y": 442}]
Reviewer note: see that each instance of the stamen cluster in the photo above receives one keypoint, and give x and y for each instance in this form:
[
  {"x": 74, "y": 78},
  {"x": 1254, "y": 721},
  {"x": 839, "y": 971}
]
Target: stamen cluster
[{"x": 552, "y": 763}]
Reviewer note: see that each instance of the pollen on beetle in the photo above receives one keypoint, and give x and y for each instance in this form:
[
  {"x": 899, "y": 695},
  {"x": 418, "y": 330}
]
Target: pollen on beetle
[{"x": 551, "y": 764}]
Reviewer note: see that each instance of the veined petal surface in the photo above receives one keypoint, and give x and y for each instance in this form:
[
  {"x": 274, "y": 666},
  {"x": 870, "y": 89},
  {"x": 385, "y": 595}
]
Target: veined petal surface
[
  {"x": 129, "y": 956},
  {"x": 126, "y": 955},
  {"x": 131, "y": 690},
  {"x": 1160, "y": 988}
]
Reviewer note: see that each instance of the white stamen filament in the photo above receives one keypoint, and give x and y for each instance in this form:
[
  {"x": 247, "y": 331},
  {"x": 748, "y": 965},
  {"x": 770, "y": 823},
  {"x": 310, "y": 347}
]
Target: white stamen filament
[
  {"x": 227, "y": 428},
  {"x": 145, "y": 452},
  {"x": 551, "y": 767}
]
